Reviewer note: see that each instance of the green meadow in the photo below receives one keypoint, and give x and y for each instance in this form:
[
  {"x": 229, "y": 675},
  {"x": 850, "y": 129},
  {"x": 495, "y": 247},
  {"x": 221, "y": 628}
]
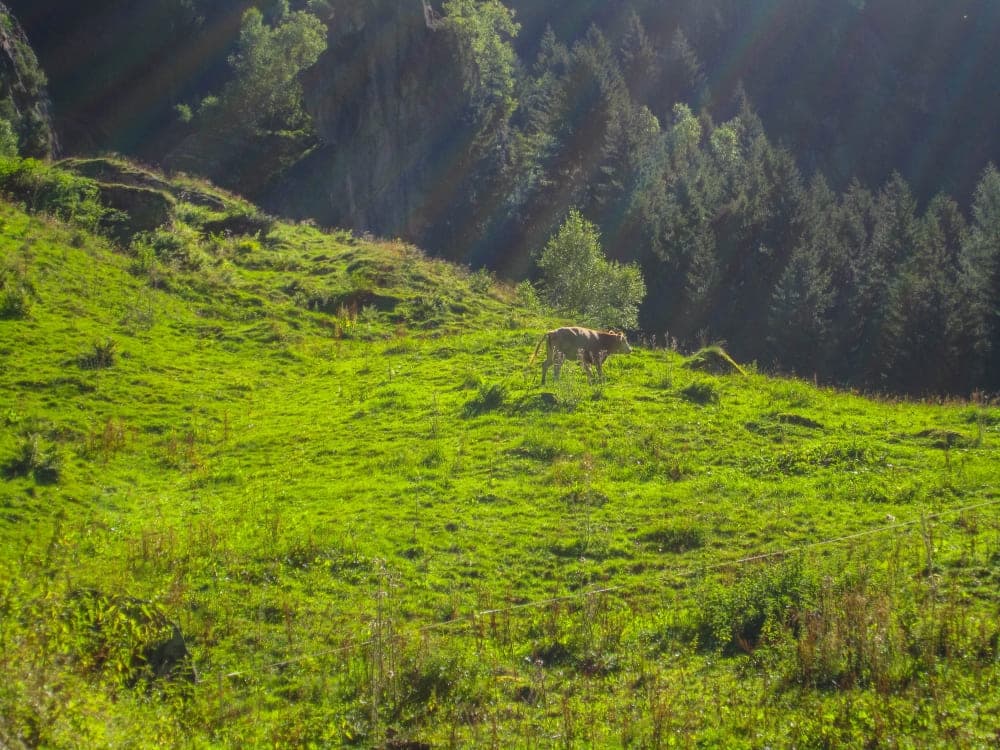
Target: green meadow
[{"x": 301, "y": 489}]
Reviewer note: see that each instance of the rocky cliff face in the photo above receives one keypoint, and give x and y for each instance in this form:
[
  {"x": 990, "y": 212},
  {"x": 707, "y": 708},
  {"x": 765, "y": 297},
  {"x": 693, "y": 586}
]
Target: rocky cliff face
[
  {"x": 386, "y": 102},
  {"x": 24, "y": 101}
]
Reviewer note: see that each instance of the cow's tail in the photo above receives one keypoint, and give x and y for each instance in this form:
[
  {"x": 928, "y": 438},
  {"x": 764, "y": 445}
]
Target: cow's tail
[{"x": 539, "y": 346}]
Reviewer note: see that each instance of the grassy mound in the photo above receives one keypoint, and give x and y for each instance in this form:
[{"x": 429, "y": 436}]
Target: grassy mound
[
  {"x": 713, "y": 359},
  {"x": 299, "y": 489}
]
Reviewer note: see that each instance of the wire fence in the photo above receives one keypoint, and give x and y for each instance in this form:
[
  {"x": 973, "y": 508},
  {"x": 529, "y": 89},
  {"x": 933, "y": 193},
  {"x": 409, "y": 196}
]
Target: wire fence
[{"x": 688, "y": 573}]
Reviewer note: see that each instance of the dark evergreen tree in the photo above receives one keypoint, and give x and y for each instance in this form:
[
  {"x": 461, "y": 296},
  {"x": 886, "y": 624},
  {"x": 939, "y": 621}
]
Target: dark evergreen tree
[
  {"x": 685, "y": 80},
  {"x": 850, "y": 254},
  {"x": 754, "y": 232},
  {"x": 799, "y": 316},
  {"x": 981, "y": 274},
  {"x": 893, "y": 241},
  {"x": 640, "y": 62},
  {"x": 922, "y": 338}
]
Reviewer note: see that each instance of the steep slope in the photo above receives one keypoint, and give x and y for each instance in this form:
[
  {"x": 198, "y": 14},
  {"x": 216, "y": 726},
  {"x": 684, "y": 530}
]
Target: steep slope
[
  {"x": 296, "y": 487},
  {"x": 24, "y": 101}
]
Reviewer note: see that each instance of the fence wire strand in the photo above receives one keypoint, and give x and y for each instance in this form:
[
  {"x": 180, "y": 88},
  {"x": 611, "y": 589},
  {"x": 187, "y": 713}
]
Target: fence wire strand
[{"x": 691, "y": 572}]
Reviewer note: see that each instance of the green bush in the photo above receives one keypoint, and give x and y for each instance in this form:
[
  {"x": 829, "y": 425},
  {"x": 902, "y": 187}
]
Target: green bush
[
  {"x": 735, "y": 617},
  {"x": 680, "y": 536},
  {"x": 46, "y": 189},
  {"x": 170, "y": 247},
  {"x": 8, "y": 139},
  {"x": 527, "y": 296},
  {"x": 481, "y": 280},
  {"x": 15, "y": 302}
]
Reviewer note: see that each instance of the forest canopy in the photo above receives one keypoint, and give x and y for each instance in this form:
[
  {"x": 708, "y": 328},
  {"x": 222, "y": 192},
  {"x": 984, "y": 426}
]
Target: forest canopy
[{"x": 811, "y": 181}]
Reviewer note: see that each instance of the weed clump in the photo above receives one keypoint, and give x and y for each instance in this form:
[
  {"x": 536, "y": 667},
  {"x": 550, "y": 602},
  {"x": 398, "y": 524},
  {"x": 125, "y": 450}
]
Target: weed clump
[
  {"x": 47, "y": 189},
  {"x": 680, "y": 536},
  {"x": 172, "y": 247},
  {"x": 124, "y": 639},
  {"x": 488, "y": 398},
  {"x": 797, "y": 420},
  {"x": 701, "y": 392},
  {"x": 715, "y": 360},
  {"x": 101, "y": 355},
  {"x": 15, "y": 302},
  {"x": 945, "y": 438},
  {"x": 36, "y": 456}
]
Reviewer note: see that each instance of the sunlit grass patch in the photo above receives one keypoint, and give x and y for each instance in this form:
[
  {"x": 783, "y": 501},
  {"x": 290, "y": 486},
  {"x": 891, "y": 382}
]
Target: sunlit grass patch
[{"x": 368, "y": 528}]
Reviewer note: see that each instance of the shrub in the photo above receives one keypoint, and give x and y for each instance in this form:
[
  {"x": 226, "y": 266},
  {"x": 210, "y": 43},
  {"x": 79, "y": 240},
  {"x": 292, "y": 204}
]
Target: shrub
[
  {"x": 527, "y": 296},
  {"x": 15, "y": 302},
  {"x": 680, "y": 536},
  {"x": 713, "y": 359},
  {"x": 100, "y": 356},
  {"x": 8, "y": 139},
  {"x": 170, "y": 247},
  {"x": 481, "y": 281},
  {"x": 425, "y": 308},
  {"x": 734, "y": 618},
  {"x": 36, "y": 457},
  {"x": 46, "y": 189},
  {"x": 184, "y": 113},
  {"x": 123, "y": 639}
]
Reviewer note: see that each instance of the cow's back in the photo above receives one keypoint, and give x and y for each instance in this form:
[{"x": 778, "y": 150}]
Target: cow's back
[{"x": 569, "y": 339}]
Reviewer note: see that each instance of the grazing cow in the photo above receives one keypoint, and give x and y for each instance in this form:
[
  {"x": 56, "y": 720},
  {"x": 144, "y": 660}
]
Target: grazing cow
[{"x": 592, "y": 347}]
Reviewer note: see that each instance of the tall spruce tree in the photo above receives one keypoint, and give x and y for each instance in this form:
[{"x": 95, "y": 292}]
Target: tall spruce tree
[
  {"x": 921, "y": 332},
  {"x": 893, "y": 241},
  {"x": 981, "y": 272},
  {"x": 799, "y": 315}
]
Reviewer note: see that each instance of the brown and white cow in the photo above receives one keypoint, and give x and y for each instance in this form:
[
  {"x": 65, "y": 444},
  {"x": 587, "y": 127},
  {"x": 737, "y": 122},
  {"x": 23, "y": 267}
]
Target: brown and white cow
[{"x": 592, "y": 348}]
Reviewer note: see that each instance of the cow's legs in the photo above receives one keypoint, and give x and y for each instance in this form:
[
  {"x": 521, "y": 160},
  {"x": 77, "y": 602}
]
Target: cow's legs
[
  {"x": 550, "y": 353},
  {"x": 584, "y": 356}
]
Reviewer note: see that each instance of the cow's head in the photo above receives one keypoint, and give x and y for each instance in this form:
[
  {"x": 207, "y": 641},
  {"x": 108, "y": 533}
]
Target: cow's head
[{"x": 620, "y": 343}]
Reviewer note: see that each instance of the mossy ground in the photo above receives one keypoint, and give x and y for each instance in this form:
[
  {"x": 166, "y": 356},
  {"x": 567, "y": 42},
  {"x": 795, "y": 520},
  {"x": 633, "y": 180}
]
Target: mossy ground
[{"x": 329, "y": 463}]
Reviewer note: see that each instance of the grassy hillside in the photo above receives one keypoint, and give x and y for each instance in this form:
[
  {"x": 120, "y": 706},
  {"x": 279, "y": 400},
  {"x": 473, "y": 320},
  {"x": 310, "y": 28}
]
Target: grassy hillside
[{"x": 301, "y": 489}]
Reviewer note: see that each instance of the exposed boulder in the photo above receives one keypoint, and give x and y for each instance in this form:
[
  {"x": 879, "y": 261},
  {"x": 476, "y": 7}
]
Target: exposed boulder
[{"x": 136, "y": 209}]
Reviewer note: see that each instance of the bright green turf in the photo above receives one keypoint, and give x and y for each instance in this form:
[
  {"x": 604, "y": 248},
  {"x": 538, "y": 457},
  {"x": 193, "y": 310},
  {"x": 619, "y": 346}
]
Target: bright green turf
[{"x": 322, "y": 499}]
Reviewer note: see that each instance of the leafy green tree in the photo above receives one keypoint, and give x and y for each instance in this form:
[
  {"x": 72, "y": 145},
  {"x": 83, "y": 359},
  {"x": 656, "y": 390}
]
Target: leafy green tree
[
  {"x": 578, "y": 280},
  {"x": 8, "y": 139},
  {"x": 484, "y": 32},
  {"x": 852, "y": 227},
  {"x": 540, "y": 100},
  {"x": 266, "y": 93},
  {"x": 586, "y": 168},
  {"x": 687, "y": 79}
]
